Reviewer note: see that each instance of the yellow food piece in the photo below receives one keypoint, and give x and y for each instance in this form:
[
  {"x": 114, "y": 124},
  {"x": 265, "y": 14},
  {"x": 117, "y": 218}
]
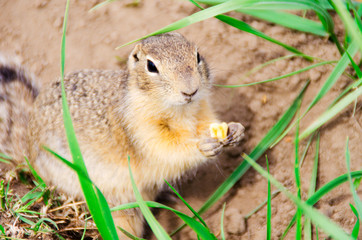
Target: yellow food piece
[{"x": 219, "y": 130}]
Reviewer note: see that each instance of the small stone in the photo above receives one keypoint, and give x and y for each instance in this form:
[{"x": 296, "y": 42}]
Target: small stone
[
  {"x": 58, "y": 22},
  {"x": 41, "y": 3},
  {"x": 236, "y": 221}
]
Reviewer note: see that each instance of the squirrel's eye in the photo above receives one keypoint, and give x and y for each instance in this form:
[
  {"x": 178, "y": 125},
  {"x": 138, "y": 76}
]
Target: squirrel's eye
[
  {"x": 198, "y": 58},
  {"x": 151, "y": 67}
]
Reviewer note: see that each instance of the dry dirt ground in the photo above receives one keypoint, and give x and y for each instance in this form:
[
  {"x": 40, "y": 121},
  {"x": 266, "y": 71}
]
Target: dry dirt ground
[{"x": 32, "y": 30}]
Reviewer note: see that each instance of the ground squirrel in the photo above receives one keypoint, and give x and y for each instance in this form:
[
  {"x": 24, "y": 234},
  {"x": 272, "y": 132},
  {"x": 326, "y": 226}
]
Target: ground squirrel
[{"x": 157, "y": 111}]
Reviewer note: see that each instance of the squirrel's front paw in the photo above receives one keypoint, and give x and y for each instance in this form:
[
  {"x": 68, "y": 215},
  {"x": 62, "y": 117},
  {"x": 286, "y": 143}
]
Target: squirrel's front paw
[
  {"x": 235, "y": 133},
  {"x": 210, "y": 147}
]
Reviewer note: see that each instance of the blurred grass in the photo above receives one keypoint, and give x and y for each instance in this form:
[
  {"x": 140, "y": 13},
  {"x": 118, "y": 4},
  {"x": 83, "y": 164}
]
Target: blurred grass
[
  {"x": 231, "y": 5},
  {"x": 317, "y": 218},
  {"x": 157, "y": 229},
  {"x": 96, "y": 202},
  {"x": 269, "y": 213},
  {"x": 312, "y": 187},
  {"x": 298, "y": 234}
]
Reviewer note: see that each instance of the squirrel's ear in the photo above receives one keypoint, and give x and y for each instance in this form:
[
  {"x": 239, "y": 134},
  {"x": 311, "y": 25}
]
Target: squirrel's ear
[{"x": 134, "y": 57}]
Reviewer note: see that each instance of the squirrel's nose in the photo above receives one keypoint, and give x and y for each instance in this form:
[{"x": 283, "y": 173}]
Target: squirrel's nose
[{"x": 189, "y": 95}]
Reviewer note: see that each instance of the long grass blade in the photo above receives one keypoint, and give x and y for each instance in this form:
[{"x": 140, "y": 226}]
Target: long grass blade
[
  {"x": 288, "y": 20},
  {"x": 102, "y": 4},
  {"x": 298, "y": 234},
  {"x": 268, "y": 215},
  {"x": 95, "y": 200},
  {"x": 157, "y": 229},
  {"x": 39, "y": 180},
  {"x": 277, "y": 78},
  {"x": 247, "y": 28},
  {"x": 304, "y": 154},
  {"x": 311, "y": 191},
  {"x": 245, "y": 4},
  {"x": 356, "y": 227},
  {"x": 281, "y": 18},
  {"x": 345, "y": 91},
  {"x": 347, "y": 19},
  {"x": 315, "y": 216},
  {"x": 261, "y": 205},
  {"x": 356, "y": 199},
  {"x": 129, "y": 235},
  {"x": 222, "y": 233},
  {"x": 187, "y": 205},
  {"x": 323, "y": 191},
  {"x": 331, "y": 80},
  {"x": 333, "y": 111},
  {"x": 192, "y": 223}
]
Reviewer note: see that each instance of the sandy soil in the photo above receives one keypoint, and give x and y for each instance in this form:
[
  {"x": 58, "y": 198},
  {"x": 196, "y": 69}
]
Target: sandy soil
[{"x": 32, "y": 30}]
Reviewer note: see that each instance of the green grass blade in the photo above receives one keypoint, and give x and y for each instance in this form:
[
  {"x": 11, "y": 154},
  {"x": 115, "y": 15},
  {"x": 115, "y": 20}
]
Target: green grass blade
[
  {"x": 288, "y": 20},
  {"x": 187, "y": 205},
  {"x": 245, "y": 4},
  {"x": 2, "y": 230},
  {"x": 350, "y": 25},
  {"x": 356, "y": 199},
  {"x": 335, "y": 74},
  {"x": 331, "y": 185},
  {"x": 311, "y": 191},
  {"x": 281, "y": 18},
  {"x": 263, "y": 145},
  {"x": 355, "y": 66},
  {"x": 222, "y": 222},
  {"x": 298, "y": 234},
  {"x": 247, "y": 28},
  {"x": 102, "y": 4},
  {"x": 31, "y": 223},
  {"x": 35, "y": 174},
  {"x": 356, "y": 227},
  {"x": 4, "y": 158},
  {"x": 295, "y": 5},
  {"x": 157, "y": 229},
  {"x": 268, "y": 215},
  {"x": 129, "y": 235},
  {"x": 195, "y": 225},
  {"x": 4, "y": 161},
  {"x": 316, "y": 217},
  {"x": 333, "y": 77},
  {"x": 81, "y": 173},
  {"x": 345, "y": 91},
  {"x": 261, "y": 205},
  {"x": 85, "y": 229},
  {"x": 277, "y": 78},
  {"x": 306, "y": 150},
  {"x": 323, "y": 191},
  {"x": 330, "y": 113},
  {"x": 95, "y": 200},
  {"x": 197, "y": 17},
  {"x": 257, "y": 68}
]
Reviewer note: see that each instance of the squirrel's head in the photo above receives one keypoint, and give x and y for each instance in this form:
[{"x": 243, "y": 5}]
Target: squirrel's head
[{"x": 168, "y": 68}]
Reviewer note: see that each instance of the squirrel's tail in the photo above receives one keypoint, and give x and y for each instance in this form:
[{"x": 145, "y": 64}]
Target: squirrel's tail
[{"x": 18, "y": 90}]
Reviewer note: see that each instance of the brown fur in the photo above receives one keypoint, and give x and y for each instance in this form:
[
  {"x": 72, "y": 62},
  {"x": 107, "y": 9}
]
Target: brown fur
[{"x": 161, "y": 120}]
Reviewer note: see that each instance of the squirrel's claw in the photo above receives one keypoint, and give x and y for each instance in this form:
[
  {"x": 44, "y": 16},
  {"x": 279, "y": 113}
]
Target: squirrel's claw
[
  {"x": 235, "y": 134},
  {"x": 210, "y": 147}
]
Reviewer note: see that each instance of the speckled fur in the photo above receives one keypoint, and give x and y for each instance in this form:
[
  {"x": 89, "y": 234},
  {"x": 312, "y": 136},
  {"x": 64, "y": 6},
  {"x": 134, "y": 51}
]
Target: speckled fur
[
  {"x": 18, "y": 89},
  {"x": 133, "y": 113}
]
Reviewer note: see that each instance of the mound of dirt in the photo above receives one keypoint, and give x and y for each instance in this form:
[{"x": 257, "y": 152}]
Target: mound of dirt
[{"x": 32, "y": 30}]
